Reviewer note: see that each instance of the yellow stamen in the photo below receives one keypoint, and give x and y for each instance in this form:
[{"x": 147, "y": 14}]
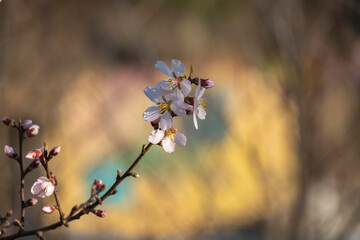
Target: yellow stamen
[
  {"x": 163, "y": 107},
  {"x": 203, "y": 103}
]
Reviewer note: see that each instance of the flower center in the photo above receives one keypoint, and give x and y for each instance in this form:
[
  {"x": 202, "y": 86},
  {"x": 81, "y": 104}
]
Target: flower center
[
  {"x": 163, "y": 107},
  {"x": 203, "y": 103},
  {"x": 171, "y": 133}
]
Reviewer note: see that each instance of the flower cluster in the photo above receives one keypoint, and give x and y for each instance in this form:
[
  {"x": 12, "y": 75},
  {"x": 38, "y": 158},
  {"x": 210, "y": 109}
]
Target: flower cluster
[{"x": 171, "y": 98}]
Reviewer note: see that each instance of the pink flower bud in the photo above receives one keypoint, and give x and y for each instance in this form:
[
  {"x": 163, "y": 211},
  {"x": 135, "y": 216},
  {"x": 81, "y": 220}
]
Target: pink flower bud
[
  {"x": 9, "y": 213},
  {"x": 55, "y": 151},
  {"x": 25, "y": 124},
  {"x": 43, "y": 187},
  {"x": 48, "y": 209},
  {"x": 10, "y": 152},
  {"x": 206, "y": 83},
  {"x": 9, "y": 122},
  {"x": 100, "y": 213},
  {"x": 98, "y": 183},
  {"x": 34, "y": 164},
  {"x": 34, "y": 154},
  {"x": 31, "y": 202},
  {"x": 17, "y": 223},
  {"x": 32, "y": 131},
  {"x": 2, "y": 231}
]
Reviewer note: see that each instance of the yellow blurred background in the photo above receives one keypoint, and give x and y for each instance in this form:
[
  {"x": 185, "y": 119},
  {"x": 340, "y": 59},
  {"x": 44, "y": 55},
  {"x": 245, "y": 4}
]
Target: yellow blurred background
[{"x": 278, "y": 156}]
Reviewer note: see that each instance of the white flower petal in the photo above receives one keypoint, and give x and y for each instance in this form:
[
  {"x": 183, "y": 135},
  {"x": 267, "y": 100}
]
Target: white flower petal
[
  {"x": 36, "y": 188},
  {"x": 151, "y": 114},
  {"x": 195, "y": 121},
  {"x": 154, "y": 94},
  {"x": 178, "y": 67},
  {"x": 180, "y": 139},
  {"x": 166, "y": 121},
  {"x": 185, "y": 87},
  {"x": 177, "y": 109},
  {"x": 201, "y": 113},
  {"x": 49, "y": 189},
  {"x": 199, "y": 92},
  {"x": 164, "y": 68},
  {"x": 177, "y": 96},
  {"x": 168, "y": 145},
  {"x": 156, "y": 136}
]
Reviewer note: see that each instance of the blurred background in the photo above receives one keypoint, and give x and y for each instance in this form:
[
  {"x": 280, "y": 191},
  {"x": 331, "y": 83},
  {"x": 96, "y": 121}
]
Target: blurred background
[{"x": 278, "y": 156}]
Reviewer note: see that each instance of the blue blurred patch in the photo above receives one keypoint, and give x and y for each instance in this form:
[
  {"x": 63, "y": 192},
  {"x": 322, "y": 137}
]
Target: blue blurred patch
[{"x": 106, "y": 170}]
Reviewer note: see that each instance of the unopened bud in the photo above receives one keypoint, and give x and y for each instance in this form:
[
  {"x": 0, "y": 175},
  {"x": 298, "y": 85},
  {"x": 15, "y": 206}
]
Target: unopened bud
[
  {"x": 2, "y": 231},
  {"x": 55, "y": 151},
  {"x": 119, "y": 172},
  {"x": 9, "y": 213},
  {"x": 53, "y": 178},
  {"x": 25, "y": 125},
  {"x": 100, "y": 213},
  {"x": 17, "y": 223},
  {"x": 48, "y": 209},
  {"x": 34, "y": 164},
  {"x": 114, "y": 192},
  {"x": 206, "y": 83},
  {"x": 10, "y": 152},
  {"x": 98, "y": 183},
  {"x": 135, "y": 175},
  {"x": 9, "y": 122},
  {"x": 74, "y": 209},
  {"x": 31, "y": 202},
  {"x": 34, "y": 154},
  {"x": 103, "y": 187},
  {"x": 32, "y": 131}
]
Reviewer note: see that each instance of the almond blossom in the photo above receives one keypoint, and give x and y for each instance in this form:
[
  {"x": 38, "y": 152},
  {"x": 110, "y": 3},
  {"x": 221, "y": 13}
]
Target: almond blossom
[
  {"x": 164, "y": 108},
  {"x": 168, "y": 138},
  {"x": 176, "y": 79},
  {"x": 43, "y": 187}
]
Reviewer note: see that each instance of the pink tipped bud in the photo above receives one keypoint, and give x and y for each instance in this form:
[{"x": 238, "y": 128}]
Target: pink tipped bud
[
  {"x": 206, "y": 83},
  {"x": 135, "y": 175},
  {"x": 17, "y": 223},
  {"x": 34, "y": 154},
  {"x": 10, "y": 152},
  {"x": 9, "y": 213},
  {"x": 48, "y": 209},
  {"x": 9, "y": 122},
  {"x": 31, "y": 202},
  {"x": 25, "y": 124},
  {"x": 55, "y": 151},
  {"x": 32, "y": 131},
  {"x": 34, "y": 164},
  {"x": 100, "y": 213},
  {"x": 75, "y": 209},
  {"x": 98, "y": 183}
]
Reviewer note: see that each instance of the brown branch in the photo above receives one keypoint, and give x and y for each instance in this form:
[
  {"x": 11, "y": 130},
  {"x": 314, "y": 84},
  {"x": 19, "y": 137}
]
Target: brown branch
[
  {"x": 22, "y": 181},
  {"x": 89, "y": 208}
]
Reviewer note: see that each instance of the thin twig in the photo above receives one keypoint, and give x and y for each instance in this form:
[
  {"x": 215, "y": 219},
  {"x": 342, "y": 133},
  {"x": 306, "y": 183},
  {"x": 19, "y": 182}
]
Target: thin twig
[
  {"x": 91, "y": 207},
  {"x": 22, "y": 181}
]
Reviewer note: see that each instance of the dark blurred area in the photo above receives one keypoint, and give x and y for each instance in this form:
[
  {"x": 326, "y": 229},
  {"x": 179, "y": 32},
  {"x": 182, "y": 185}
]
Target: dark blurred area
[{"x": 278, "y": 156}]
